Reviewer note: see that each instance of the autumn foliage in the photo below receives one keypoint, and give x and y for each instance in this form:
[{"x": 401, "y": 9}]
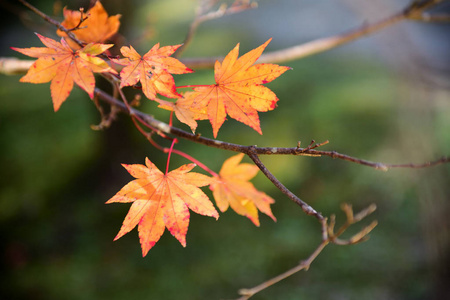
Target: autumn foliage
[
  {"x": 152, "y": 70},
  {"x": 232, "y": 188},
  {"x": 162, "y": 200},
  {"x": 97, "y": 26},
  {"x": 238, "y": 91},
  {"x": 63, "y": 66}
]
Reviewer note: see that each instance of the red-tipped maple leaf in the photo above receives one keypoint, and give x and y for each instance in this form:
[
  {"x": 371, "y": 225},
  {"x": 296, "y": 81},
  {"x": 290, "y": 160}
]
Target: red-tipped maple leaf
[
  {"x": 184, "y": 111},
  {"x": 96, "y": 28},
  {"x": 232, "y": 188},
  {"x": 152, "y": 70},
  {"x": 238, "y": 91},
  {"x": 162, "y": 200},
  {"x": 62, "y": 66}
]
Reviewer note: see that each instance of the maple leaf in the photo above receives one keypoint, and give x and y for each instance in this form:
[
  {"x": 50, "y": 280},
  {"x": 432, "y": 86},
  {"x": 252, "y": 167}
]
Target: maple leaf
[
  {"x": 232, "y": 188},
  {"x": 96, "y": 28},
  {"x": 162, "y": 200},
  {"x": 152, "y": 70},
  {"x": 238, "y": 91},
  {"x": 62, "y": 66},
  {"x": 184, "y": 111}
]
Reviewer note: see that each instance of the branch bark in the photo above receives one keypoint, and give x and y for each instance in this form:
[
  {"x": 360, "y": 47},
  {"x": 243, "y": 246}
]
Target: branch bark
[
  {"x": 308, "y": 151},
  {"x": 412, "y": 12}
]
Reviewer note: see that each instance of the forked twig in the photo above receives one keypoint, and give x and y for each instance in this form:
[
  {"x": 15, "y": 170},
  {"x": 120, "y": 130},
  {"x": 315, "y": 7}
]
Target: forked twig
[
  {"x": 53, "y": 22},
  {"x": 328, "y": 236},
  {"x": 82, "y": 19},
  {"x": 106, "y": 119}
]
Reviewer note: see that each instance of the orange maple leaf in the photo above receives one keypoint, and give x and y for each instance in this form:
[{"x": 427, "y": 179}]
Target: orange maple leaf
[
  {"x": 238, "y": 91},
  {"x": 62, "y": 66},
  {"x": 162, "y": 200},
  {"x": 232, "y": 188},
  {"x": 152, "y": 70},
  {"x": 184, "y": 111},
  {"x": 96, "y": 28}
]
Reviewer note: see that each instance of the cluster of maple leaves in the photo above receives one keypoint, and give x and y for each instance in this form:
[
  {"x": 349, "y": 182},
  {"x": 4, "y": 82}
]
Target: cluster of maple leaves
[{"x": 160, "y": 199}]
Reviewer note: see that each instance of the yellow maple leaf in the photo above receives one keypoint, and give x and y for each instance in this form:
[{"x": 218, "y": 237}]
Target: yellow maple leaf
[
  {"x": 232, "y": 188},
  {"x": 239, "y": 90}
]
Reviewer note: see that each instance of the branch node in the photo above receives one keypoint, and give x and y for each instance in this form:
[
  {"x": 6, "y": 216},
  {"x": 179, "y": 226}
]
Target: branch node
[
  {"x": 305, "y": 265},
  {"x": 382, "y": 167},
  {"x": 245, "y": 292}
]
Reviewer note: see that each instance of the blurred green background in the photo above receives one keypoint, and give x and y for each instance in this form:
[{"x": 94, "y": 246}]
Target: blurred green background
[{"x": 382, "y": 98}]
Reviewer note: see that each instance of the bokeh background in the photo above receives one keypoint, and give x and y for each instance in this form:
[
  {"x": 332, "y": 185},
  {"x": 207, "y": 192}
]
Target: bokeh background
[{"x": 384, "y": 98}]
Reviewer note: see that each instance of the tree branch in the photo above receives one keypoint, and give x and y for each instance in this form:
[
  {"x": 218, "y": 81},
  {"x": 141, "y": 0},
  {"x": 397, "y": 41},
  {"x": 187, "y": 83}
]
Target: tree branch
[
  {"x": 305, "y": 207},
  {"x": 413, "y": 12},
  {"x": 11, "y": 66},
  {"x": 308, "y": 151},
  {"x": 253, "y": 152},
  {"x": 303, "y": 265}
]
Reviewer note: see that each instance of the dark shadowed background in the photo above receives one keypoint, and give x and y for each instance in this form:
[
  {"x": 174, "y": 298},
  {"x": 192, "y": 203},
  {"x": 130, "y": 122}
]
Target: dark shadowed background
[{"x": 383, "y": 98}]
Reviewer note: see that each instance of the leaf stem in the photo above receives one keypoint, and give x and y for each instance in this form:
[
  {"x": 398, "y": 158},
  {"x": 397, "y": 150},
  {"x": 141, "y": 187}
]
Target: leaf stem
[
  {"x": 197, "y": 162},
  {"x": 191, "y": 86},
  {"x": 166, "y": 150},
  {"x": 168, "y": 156}
]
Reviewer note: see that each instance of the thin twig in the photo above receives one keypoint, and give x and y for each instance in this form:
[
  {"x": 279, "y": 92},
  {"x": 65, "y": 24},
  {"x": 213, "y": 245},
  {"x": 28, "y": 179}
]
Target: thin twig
[
  {"x": 304, "y": 265},
  {"x": 305, "y": 207},
  {"x": 106, "y": 119},
  {"x": 326, "y": 239},
  {"x": 203, "y": 17},
  {"x": 412, "y": 12},
  {"x": 82, "y": 19},
  {"x": 53, "y": 22},
  {"x": 435, "y": 18}
]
